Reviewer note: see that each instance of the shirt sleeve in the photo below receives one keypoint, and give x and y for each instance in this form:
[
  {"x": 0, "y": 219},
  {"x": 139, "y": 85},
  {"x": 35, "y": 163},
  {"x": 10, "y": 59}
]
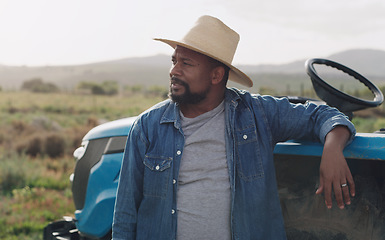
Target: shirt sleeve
[
  {"x": 302, "y": 121},
  {"x": 130, "y": 187},
  {"x": 331, "y": 123}
]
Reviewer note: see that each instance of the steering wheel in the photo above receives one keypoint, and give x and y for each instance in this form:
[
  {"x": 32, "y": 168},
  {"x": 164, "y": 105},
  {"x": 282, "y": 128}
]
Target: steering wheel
[{"x": 334, "y": 97}]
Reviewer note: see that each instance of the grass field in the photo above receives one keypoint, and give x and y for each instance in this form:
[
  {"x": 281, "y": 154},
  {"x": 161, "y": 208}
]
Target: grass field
[{"x": 39, "y": 132}]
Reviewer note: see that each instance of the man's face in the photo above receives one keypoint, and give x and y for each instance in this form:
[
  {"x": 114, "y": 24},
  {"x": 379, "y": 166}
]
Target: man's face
[{"x": 190, "y": 76}]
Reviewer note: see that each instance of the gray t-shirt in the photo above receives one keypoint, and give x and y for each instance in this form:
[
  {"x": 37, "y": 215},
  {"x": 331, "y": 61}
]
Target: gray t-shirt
[{"x": 203, "y": 197}]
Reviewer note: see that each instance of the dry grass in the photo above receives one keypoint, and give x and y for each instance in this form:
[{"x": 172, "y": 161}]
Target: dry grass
[{"x": 38, "y": 134}]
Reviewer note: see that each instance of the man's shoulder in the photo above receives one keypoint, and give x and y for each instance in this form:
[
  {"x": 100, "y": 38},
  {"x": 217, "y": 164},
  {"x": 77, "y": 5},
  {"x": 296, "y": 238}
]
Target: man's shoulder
[
  {"x": 253, "y": 101},
  {"x": 244, "y": 95},
  {"x": 159, "y": 107},
  {"x": 156, "y": 112}
]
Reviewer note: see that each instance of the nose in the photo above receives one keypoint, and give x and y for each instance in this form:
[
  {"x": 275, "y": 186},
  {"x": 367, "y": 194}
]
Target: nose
[{"x": 175, "y": 70}]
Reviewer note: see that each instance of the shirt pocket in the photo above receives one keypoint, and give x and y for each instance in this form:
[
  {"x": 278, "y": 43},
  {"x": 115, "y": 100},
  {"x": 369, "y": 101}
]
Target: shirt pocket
[
  {"x": 156, "y": 176},
  {"x": 249, "y": 161}
]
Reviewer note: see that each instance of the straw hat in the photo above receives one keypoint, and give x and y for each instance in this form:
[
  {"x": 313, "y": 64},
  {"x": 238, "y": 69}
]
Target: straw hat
[{"x": 211, "y": 37}]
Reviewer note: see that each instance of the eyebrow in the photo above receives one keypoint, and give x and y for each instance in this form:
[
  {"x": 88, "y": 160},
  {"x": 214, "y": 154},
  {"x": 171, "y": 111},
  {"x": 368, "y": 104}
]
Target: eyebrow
[{"x": 183, "y": 59}]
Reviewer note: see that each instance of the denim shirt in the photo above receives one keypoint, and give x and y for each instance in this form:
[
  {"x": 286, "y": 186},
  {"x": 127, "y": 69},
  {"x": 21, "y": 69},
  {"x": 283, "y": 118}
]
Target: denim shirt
[{"x": 146, "y": 200}]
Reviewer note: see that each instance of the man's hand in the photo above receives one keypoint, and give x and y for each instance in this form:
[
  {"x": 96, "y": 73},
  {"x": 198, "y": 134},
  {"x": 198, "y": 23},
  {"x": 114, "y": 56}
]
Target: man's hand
[{"x": 334, "y": 171}]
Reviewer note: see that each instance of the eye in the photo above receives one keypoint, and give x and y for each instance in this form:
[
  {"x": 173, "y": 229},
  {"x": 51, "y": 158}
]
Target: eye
[{"x": 188, "y": 62}]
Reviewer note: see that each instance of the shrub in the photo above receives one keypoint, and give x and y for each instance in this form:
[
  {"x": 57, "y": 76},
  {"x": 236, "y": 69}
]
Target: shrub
[
  {"x": 14, "y": 177},
  {"x": 54, "y": 145},
  {"x": 33, "y": 146},
  {"x": 105, "y": 88},
  {"x": 97, "y": 90},
  {"x": 40, "y": 143},
  {"x": 12, "y": 172},
  {"x": 37, "y": 85},
  {"x": 19, "y": 126}
]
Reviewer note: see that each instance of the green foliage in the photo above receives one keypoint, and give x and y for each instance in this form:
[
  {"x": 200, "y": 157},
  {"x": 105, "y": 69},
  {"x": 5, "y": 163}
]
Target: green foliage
[
  {"x": 150, "y": 91},
  {"x": 368, "y": 125},
  {"x": 134, "y": 88},
  {"x": 110, "y": 87},
  {"x": 18, "y": 171},
  {"x": 365, "y": 124},
  {"x": 33, "y": 193},
  {"x": 37, "y": 85},
  {"x": 43, "y": 206},
  {"x": 12, "y": 174},
  {"x": 105, "y": 88}
]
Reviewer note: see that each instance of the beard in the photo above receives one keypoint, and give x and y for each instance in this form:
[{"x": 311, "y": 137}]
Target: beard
[{"x": 187, "y": 97}]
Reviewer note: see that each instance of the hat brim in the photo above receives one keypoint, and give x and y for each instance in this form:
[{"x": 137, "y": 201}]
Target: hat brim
[{"x": 235, "y": 74}]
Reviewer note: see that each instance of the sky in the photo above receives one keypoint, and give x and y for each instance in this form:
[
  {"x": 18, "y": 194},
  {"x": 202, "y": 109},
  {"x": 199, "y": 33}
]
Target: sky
[{"x": 71, "y": 32}]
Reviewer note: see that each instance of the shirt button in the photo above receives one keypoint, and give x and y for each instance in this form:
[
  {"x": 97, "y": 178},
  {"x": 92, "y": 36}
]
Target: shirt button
[
  {"x": 157, "y": 168},
  {"x": 172, "y": 211},
  {"x": 245, "y": 136},
  {"x": 173, "y": 181},
  {"x": 178, "y": 152}
]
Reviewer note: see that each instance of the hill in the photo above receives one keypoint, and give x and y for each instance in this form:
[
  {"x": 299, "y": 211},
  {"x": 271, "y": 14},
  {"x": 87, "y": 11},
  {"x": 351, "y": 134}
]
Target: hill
[
  {"x": 292, "y": 76},
  {"x": 153, "y": 70},
  {"x": 368, "y": 62},
  {"x": 129, "y": 71}
]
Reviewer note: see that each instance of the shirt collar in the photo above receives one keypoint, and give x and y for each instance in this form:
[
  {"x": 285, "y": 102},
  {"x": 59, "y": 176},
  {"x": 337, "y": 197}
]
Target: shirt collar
[{"x": 171, "y": 114}]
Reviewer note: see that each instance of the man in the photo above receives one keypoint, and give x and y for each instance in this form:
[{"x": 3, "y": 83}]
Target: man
[{"x": 200, "y": 165}]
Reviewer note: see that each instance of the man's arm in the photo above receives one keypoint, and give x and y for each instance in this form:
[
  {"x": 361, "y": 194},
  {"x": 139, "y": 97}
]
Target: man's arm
[
  {"x": 130, "y": 191},
  {"x": 334, "y": 171},
  {"x": 311, "y": 121}
]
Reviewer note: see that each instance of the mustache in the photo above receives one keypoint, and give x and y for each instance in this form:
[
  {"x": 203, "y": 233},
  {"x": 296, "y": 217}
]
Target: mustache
[{"x": 175, "y": 80}]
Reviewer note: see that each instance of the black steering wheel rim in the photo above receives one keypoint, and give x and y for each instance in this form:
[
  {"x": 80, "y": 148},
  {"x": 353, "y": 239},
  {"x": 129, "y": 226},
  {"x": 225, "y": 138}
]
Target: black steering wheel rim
[{"x": 344, "y": 102}]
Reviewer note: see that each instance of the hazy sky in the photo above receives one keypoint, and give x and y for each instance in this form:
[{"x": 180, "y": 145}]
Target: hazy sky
[{"x": 65, "y": 32}]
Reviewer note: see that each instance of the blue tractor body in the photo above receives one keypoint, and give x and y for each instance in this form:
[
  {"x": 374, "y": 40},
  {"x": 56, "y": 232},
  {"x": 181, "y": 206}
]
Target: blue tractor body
[
  {"x": 95, "y": 198},
  {"x": 366, "y": 146}
]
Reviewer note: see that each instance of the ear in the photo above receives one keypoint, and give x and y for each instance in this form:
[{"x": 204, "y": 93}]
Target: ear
[{"x": 217, "y": 75}]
